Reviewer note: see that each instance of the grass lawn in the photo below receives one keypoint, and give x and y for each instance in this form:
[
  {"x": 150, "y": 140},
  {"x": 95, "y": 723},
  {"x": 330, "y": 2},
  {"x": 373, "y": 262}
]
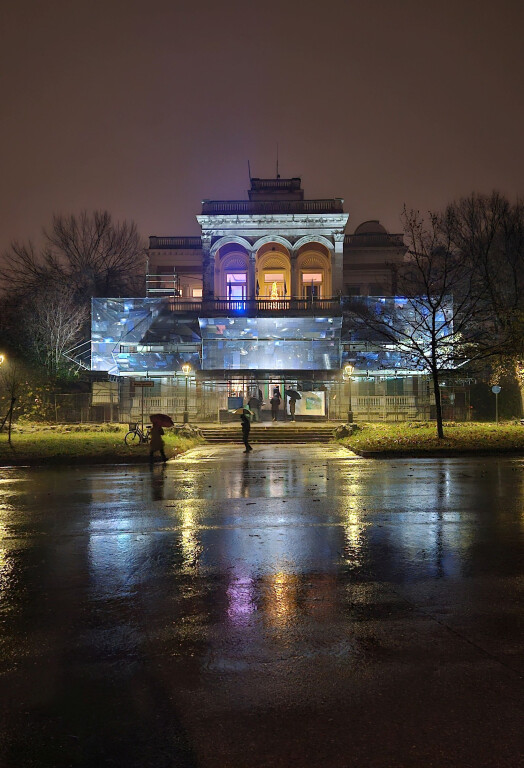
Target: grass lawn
[
  {"x": 38, "y": 444},
  {"x": 417, "y": 439}
]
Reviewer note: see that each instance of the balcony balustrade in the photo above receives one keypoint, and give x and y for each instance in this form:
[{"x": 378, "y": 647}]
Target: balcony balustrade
[
  {"x": 254, "y": 307},
  {"x": 263, "y": 207}
]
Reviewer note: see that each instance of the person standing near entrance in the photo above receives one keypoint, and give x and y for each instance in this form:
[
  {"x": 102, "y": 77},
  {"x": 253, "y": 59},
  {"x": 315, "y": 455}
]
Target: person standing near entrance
[
  {"x": 292, "y": 405},
  {"x": 246, "y": 427},
  {"x": 255, "y": 403},
  {"x": 275, "y": 404}
]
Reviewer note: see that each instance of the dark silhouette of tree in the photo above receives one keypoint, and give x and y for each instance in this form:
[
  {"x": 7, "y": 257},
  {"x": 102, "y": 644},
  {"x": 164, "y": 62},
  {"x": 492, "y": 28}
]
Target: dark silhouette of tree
[
  {"x": 89, "y": 253},
  {"x": 488, "y": 231},
  {"x": 47, "y": 292}
]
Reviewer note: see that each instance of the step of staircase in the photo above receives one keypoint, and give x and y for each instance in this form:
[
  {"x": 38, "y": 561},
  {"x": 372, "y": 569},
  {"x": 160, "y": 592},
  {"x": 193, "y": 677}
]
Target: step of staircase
[{"x": 268, "y": 435}]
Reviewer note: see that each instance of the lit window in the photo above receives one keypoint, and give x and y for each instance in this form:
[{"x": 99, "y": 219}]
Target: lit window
[
  {"x": 311, "y": 277},
  {"x": 236, "y": 277},
  {"x": 236, "y": 285},
  {"x": 274, "y": 277},
  {"x": 197, "y": 293}
]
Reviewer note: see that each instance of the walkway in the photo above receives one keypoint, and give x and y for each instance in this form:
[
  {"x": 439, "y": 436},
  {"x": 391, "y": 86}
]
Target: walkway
[{"x": 295, "y": 607}]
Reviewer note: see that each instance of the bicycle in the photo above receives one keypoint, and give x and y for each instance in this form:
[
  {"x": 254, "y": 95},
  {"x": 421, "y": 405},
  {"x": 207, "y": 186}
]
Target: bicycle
[{"x": 135, "y": 436}]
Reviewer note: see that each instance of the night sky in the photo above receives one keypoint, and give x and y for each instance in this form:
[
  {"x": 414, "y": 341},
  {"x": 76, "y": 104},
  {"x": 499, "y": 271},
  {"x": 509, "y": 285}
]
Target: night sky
[{"x": 146, "y": 108}]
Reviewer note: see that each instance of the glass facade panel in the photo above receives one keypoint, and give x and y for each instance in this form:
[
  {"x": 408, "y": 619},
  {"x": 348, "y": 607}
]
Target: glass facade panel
[
  {"x": 232, "y": 354},
  {"x": 287, "y": 343},
  {"x": 141, "y": 336}
]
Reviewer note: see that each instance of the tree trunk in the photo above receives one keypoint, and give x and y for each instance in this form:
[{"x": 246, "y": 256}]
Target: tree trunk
[
  {"x": 438, "y": 404},
  {"x": 13, "y": 400}
]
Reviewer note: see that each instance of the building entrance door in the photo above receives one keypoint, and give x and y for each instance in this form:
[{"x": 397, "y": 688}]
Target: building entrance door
[{"x": 268, "y": 388}]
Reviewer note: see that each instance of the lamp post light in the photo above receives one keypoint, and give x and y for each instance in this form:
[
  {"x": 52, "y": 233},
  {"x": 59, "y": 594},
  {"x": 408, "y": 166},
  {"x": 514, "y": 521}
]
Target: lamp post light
[
  {"x": 186, "y": 368},
  {"x": 348, "y": 370}
]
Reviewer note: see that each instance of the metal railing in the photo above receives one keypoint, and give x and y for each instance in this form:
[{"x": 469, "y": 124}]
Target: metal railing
[
  {"x": 391, "y": 407},
  {"x": 285, "y": 184},
  {"x": 162, "y": 284},
  {"x": 253, "y": 306},
  {"x": 180, "y": 243},
  {"x": 248, "y": 207}
]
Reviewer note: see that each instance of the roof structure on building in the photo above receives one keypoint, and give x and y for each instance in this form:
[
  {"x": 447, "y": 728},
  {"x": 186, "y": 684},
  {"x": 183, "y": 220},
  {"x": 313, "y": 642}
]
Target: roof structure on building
[
  {"x": 270, "y": 189},
  {"x": 371, "y": 227},
  {"x": 372, "y": 234},
  {"x": 283, "y": 196},
  {"x": 272, "y": 196}
]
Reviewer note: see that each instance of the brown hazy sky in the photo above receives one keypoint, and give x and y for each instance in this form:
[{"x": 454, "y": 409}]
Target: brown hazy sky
[{"x": 146, "y": 108}]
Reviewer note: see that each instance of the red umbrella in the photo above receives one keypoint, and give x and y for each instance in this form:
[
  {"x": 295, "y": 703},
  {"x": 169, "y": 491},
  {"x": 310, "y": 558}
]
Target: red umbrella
[{"x": 161, "y": 419}]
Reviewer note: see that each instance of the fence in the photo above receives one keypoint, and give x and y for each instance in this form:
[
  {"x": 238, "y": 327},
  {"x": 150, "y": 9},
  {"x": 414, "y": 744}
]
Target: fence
[{"x": 208, "y": 402}]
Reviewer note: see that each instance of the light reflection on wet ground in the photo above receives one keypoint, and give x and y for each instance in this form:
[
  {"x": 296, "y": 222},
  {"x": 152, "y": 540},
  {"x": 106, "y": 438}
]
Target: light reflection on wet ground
[{"x": 309, "y": 598}]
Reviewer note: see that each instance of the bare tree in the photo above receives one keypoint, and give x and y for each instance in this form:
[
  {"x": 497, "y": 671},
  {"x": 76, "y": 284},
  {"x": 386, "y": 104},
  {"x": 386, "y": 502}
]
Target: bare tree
[
  {"x": 82, "y": 257},
  {"x": 89, "y": 253},
  {"x": 488, "y": 232},
  {"x": 54, "y": 323},
  {"x": 96, "y": 256},
  {"x": 442, "y": 318}
]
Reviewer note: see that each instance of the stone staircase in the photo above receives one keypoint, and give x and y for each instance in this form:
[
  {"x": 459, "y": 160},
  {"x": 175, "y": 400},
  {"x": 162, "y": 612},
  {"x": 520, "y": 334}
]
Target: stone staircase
[{"x": 274, "y": 433}]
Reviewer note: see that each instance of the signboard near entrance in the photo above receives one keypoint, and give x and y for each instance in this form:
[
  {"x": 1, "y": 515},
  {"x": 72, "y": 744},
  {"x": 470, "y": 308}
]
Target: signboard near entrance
[
  {"x": 311, "y": 404},
  {"x": 144, "y": 383}
]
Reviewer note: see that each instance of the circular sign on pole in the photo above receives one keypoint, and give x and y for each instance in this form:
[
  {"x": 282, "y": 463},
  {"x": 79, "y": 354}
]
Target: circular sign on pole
[{"x": 496, "y": 389}]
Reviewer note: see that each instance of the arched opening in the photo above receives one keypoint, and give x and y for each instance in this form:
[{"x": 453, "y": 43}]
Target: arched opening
[
  {"x": 273, "y": 272},
  {"x": 313, "y": 272},
  {"x": 231, "y": 272}
]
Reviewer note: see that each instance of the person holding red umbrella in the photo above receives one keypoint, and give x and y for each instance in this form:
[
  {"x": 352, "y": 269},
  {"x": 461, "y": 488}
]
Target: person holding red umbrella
[
  {"x": 158, "y": 421},
  {"x": 156, "y": 443}
]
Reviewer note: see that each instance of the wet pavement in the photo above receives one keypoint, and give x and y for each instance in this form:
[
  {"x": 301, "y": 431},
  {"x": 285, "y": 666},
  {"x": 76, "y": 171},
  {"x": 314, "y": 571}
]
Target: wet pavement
[{"x": 294, "y": 607}]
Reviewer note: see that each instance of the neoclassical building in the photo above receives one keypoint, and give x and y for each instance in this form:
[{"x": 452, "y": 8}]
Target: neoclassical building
[
  {"x": 277, "y": 244},
  {"x": 259, "y": 301}
]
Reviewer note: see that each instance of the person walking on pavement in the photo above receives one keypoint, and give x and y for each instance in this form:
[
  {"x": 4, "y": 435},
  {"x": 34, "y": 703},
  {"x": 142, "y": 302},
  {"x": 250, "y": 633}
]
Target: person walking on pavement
[
  {"x": 156, "y": 444},
  {"x": 246, "y": 426}
]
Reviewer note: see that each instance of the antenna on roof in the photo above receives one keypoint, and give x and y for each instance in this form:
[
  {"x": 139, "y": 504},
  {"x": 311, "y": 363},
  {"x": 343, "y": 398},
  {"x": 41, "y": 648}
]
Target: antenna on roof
[
  {"x": 249, "y": 171},
  {"x": 278, "y": 175}
]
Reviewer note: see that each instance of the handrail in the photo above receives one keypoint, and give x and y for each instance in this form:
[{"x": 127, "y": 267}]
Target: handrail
[{"x": 248, "y": 306}]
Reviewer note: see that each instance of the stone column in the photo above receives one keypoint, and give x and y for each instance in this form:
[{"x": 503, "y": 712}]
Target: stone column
[
  {"x": 251, "y": 269},
  {"x": 294, "y": 288},
  {"x": 208, "y": 271},
  {"x": 337, "y": 266}
]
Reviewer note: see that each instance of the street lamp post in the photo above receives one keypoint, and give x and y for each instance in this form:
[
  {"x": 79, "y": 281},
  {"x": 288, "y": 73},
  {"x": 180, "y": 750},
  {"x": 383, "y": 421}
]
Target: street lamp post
[
  {"x": 187, "y": 370},
  {"x": 348, "y": 370}
]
